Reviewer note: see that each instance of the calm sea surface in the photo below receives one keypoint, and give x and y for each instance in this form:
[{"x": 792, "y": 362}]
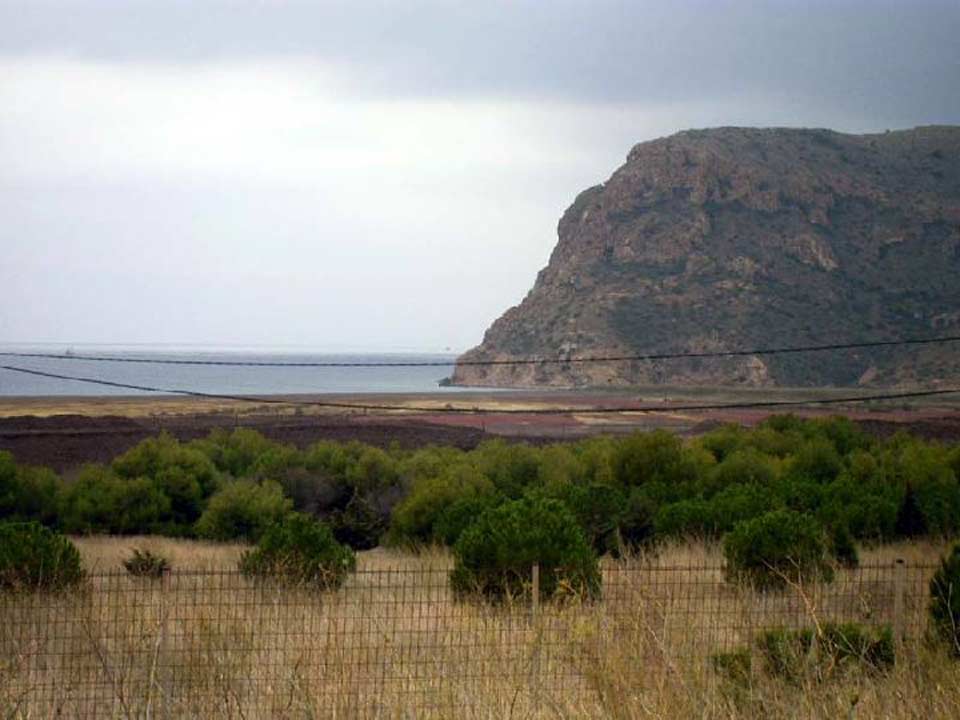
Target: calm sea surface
[{"x": 219, "y": 379}]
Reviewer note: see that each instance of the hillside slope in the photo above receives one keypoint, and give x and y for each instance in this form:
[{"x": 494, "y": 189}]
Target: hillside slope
[{"x": 735, "y": 238}]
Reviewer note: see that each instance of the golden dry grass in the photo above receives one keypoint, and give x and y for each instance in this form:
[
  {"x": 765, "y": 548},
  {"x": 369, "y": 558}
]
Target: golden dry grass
[
  {"x": 394, "y": 643},
  {"x": 104, "y": 553}
]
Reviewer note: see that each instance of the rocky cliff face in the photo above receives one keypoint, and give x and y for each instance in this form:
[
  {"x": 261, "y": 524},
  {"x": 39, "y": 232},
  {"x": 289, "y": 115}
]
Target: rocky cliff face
[{"x": 734, "y": 238}]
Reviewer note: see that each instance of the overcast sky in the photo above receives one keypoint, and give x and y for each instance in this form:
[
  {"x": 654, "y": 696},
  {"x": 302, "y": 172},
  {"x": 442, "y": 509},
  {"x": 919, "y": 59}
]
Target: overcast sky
[{"x": 381, "y": 175}]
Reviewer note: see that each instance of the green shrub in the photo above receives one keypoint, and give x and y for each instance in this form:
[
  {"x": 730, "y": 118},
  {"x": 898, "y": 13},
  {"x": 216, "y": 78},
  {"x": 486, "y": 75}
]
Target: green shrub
[
  {"x": 910, "y": 522},
  {"x": 776, "y": 548},
  {"x": 842, "y": 432},
  {"x": 461, "y": 515},
  {"x": 562, "y": 466},
  {"x": 816, "y": 460},
  {"x": 842, "y": 547},
  {"x": 793, "y": 655},
  {"x": 939, "y": 501},
  {"x": 658, "y": 456},
  {"x": 235, "y": 452},
  {"x": 945, "y": 601},
  {"x": 774, "y": 443},
  {"x": 146, "y": 563},
  {"x": 723, "y": 441},
  {"x": 88, "y": 504},
  {"x": 414, "y": 517},
  {"x": 38, "y": 495},
  {"x": 33, "y": 557},
  {"x": 598, "y": 508},
  {"x": 100, "y": 502},
  {"x": 850, "y": 644},
  {"x": 743, "y": 467},
  {"x": 513, "y": 468},
  {"x": 637, "y": 520},
  {"x": 931, "y": 486},
  {"x": 374, "y": 469},
  {"x": 495, "y": 555},
  {"x": 184, "y": 474},
  {"x": 735, "y": 666},
  {"x": 786, "y": 423},
  {"x": 359, "y": 525},
  {"x": 737, "y": 503},
  {"x": 709, "y": 518},
  {"x": 686, "y": 518},
  {"x": 8, "y": 482},
  {"x": 27, "y": 493},
  {"x": 785, "y": 653},
  {"x": 953, "y": 460},
  {"x": 799, "y": 494},
  {"x": 300, "y": 550},
  {"x": 242, "y": 510},
  {"x": 867, "y": 509},
  {"x": 314, "y": 492}
]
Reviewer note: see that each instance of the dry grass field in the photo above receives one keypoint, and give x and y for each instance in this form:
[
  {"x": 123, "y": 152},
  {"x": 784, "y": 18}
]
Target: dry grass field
[{"x": 393, "y": 643}]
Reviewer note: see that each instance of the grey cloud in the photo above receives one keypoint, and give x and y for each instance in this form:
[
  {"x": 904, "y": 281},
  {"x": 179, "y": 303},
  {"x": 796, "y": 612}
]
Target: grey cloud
[
  {"x": 145, "y": 198},
  {"x": 878, "y": 55}
]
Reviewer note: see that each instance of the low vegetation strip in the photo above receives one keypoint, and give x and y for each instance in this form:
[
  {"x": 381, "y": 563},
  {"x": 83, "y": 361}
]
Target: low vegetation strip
[
  {"x": 622, "y": 492},
  {"x": 394, "y": 641}
]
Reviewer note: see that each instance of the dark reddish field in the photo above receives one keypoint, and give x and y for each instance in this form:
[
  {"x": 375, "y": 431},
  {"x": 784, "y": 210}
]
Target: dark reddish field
[{"x": 64, "y": 434}]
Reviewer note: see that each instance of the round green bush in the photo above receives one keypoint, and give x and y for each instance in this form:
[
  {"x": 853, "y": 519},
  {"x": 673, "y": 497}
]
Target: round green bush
[
  {"x": 598, "y": 508},
  {"x": 776, "y": 548},
  {"x": 301, "y": 550},
  {"x": 27, "y": 493},
  {"x": 945, "y": 601},
  {"x": 33, "y": 557},
  {"x": 742, "y": 467},
  {"x": 686, "y": 518},
  {"x": 816, "y": 460},
  {"x": 243, "y": 510},
  {"x": 494, "y": 556},
  {"x": 658, "y": 456},
  {"x": 462, "y": 514}
]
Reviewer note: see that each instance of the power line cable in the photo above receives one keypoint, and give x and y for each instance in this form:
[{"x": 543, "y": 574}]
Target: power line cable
[
  {"x": 648, "y": 357},
  {"x": 496, "y": 411}
]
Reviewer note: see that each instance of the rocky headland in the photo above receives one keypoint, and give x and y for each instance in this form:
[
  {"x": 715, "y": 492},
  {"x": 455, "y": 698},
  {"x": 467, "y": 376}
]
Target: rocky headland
[{"x": 734, "y": 238}]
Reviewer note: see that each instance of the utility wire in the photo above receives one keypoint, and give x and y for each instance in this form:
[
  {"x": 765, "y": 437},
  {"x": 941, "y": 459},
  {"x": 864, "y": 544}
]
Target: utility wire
[
  {"x": 496, "y": 411},
  {"x": 475, "y": 363}
]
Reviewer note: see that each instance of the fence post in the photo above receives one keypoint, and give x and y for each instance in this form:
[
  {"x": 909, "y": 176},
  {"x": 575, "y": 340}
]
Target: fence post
[
  {"x": 535, "y": 592},
  {"x": 537, "y": 633},
  {"x": 899, "y": 569}
]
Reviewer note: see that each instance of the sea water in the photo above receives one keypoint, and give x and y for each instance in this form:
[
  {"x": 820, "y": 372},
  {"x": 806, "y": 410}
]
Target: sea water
[{"x": 215, "y": 379}]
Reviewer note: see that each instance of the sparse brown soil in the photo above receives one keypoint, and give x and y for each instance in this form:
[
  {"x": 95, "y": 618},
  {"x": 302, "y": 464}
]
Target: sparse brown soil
[{"x": 64, "y": 442}]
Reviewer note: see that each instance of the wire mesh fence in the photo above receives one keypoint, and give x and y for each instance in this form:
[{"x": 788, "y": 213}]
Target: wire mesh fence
[{"x": 394, "y": 642}]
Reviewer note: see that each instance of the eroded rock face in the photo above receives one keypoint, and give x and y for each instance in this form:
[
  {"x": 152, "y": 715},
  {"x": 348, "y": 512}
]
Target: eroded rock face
[{"x": 734, "y": 238}]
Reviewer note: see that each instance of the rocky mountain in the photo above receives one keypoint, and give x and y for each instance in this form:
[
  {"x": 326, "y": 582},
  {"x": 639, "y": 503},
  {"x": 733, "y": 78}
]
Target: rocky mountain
[{"x": 734, "y": 238}]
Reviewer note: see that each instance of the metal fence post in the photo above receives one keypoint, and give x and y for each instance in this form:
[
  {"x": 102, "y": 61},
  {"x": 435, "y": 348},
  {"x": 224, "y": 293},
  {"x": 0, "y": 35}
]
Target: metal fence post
[
  {"x": 537, "y": 632},
  {"x": 535, "y": 592},
  {"x": 899, "y": 569}
]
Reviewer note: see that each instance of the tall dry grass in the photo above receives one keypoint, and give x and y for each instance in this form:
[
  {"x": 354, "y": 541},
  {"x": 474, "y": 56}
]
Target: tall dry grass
[{"x": 393, "y": 643}]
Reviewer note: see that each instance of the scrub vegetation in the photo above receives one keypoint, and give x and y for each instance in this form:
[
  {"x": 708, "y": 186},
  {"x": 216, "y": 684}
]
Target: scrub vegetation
[{"x": 780, "y": 511}]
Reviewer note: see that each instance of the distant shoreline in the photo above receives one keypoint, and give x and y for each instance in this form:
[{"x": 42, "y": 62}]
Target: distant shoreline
[{"x": 491, "y": 400}]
